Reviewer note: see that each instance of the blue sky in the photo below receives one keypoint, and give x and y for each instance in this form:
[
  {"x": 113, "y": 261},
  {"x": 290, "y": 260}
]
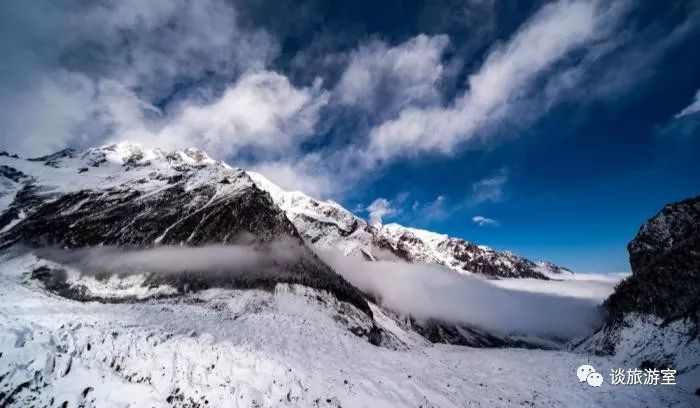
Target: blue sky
[{"x": 549, "y": 128}]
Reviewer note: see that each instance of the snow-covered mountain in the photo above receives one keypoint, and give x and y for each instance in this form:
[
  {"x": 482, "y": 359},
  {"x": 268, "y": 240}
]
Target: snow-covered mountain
[
  {"x": 327, "y": 225},
  {"x": 138, "y": 277},
  {"x": 123, "y": 196},
  {"x": 127, "y": 196},
  {"x": 178, "y": 185}
]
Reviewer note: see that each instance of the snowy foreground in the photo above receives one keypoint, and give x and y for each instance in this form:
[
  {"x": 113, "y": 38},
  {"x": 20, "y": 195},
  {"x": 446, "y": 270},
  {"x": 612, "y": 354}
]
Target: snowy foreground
[{"x": 265, "y": 349}]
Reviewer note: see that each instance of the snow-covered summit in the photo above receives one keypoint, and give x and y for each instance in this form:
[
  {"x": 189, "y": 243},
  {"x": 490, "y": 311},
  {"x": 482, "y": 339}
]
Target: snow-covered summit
[
  {"x": 123, "y": 153},
  {"x": 125, "y": 164},
  {"x": 217, "y": 336}
]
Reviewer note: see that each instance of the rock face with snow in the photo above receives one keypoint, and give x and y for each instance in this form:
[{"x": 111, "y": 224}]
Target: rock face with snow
[
  {"x": 665, "y": 261},
  {"x": 327, "y": 225},
  {"x": 126, "y": 196},
  {"x": 654, "y": 315}
]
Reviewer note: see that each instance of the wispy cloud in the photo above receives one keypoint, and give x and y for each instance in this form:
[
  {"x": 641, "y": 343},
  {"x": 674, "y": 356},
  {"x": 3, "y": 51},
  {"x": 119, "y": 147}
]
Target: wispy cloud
[
  {"x": 504, "y": 79},
  {"x": 489, "y": 189},
  {"x": 691, "y": 109},
  {"x": 382, "y": 79},
  {"x": 436, "y": 209},
  {"x": 484, "y": 221}
]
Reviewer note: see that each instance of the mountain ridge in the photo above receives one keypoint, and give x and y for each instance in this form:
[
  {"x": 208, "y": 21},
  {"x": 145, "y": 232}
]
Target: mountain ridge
[
  {"x": 123, "y": 197},
  {"x": 328, "y": 225},
  {"x": 323, "y": 224}
]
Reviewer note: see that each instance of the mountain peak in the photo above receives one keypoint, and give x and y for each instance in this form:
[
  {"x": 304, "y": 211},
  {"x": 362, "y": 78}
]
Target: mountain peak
[
  {"x": 322, "y": 224},
  {"x": 126, "y": 151}
]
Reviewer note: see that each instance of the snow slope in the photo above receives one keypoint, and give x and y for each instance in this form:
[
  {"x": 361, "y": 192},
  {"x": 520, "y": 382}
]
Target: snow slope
[{"x": 263, "y": 349}]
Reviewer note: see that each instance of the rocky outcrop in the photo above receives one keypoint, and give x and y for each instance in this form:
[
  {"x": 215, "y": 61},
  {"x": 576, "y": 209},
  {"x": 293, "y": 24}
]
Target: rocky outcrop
[
  {"x": 654, "y": 315},
  {"x": 665, "y": 261}
]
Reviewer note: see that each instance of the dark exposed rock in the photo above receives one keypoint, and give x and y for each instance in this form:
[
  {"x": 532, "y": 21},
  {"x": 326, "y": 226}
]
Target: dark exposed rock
[
  {"x": 448, "y": 333},
  {"x": 132, "y": 218},
  {"x": 4, "y": 153},
  {"x": 12, "y": 174},
  {"x": 478, "y": 260},
  {"x": 470, "y": 257},
  {"x": 665, "y": 261},
  {"x": 52, "y": 160}
]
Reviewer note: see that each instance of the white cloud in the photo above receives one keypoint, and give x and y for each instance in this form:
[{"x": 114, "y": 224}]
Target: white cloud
[
  {"x": 177, "y": 73},
  {"x": 482, "y": 221},
  {"x": 384, "y": 79},
  {"x": 435, "y": 292},
  {"x": 302, "y": 175},
  {"x": 691, "y": 109},
  {"x": 435, "y": 210},
  {"x": 380, "y": 208},
  {"x": 263, "y": 110},
  {"x": 504, "y": 79},
  {"x": 81, "y": 72},
  {"x": 489, "y": 189},
  {"x": 45, "y": 116}
]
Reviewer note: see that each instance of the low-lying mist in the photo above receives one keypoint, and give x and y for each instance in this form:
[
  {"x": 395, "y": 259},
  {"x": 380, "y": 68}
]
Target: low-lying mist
[
  {"x": 418, "y": 290},
  {"x": 190, "y": 269},
  {"x": 176, "y": 259},
  {"x": 434, "y": 292}
]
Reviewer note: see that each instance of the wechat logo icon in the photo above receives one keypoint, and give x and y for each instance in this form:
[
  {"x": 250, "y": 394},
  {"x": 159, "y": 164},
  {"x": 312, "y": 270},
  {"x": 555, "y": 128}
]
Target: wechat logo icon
[{"x": 588, "y": 374}]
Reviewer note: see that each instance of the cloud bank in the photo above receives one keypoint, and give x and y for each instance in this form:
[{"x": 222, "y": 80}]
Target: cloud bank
[
  {"x": 418, "y": 290},
  {"x": 433, "y": 292},
  {"x": 174, "y": 259}
]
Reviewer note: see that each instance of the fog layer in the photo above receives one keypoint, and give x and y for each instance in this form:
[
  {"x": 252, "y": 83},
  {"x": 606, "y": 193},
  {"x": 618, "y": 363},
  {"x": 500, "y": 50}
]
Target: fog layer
[
  {"x": 417, "y": 290},
  {"x": 176, "y": 259},
  {"x": 434, "y": 292}
]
